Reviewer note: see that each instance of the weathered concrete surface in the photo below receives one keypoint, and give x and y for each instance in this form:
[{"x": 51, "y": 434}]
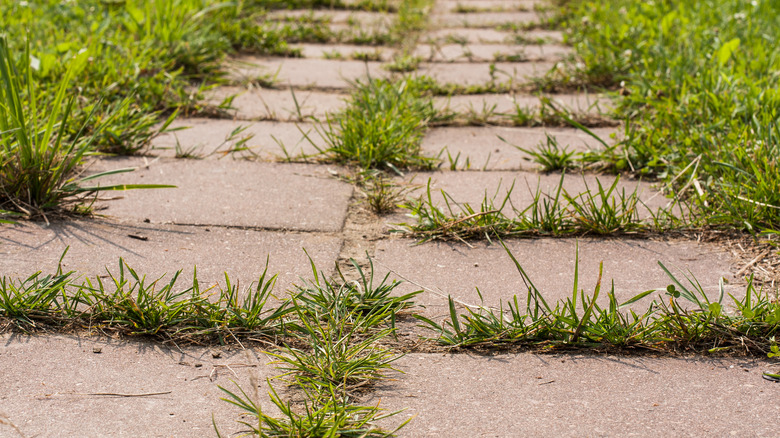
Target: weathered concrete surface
[
  {"x": 354, "y": 18},
  {"x": 483, "y": 148},
  {"x": 96, "y": 245},
  {"x": 470, "y": 35},
  {"x": 253, "y": 103},
  {"x": 211, "y": 139},
  {"x": 484, "y": 19},
  {"x": 343, "y": 51},
  {"x": 230, "y": 193},
  {"x": 297, "y": 72},
  {"x": 493, "y": 5},
  {"x": 457, "y": 270},
  {"x": 499, "y": 105},
  {"x": 473, "y": 187},
  {"x": 510, "y": 395},
  {"x": 472, "y": 73},
  {"x": 491, "y": 52},
  {"x": 51, "y": 386}
]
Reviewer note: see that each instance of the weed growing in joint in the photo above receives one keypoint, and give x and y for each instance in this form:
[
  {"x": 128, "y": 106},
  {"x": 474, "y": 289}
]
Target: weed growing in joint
[
  {"x": 381, "y": 128},
  {"x": 603, "y": 210},
  {"x": 708, "y": 327}
]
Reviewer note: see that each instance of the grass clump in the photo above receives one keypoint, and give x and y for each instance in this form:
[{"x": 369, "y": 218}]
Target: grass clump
[
  {"x": 698, "y": 80},
  {"x": 601, "y": 210},
  {"x": 689, "y": 322},
  {"x": 382, "y": 126},
  {"x": 39, "y": 159}
]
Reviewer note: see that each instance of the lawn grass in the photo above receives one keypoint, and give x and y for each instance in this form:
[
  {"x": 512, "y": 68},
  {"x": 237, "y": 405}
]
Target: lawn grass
[{"x": 698, "y": 83}]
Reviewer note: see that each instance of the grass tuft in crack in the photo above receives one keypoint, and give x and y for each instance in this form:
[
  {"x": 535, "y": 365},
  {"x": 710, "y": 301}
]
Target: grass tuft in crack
[
  {"x": 381, "y": 128},
  {"x": 691, "y": 321}
]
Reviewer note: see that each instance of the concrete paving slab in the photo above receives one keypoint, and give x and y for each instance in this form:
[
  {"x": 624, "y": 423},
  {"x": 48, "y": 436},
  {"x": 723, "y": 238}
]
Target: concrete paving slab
[
  {"x": 230, "y": 193},
  {"x": 52, "y": 386},
  {"x": 156, "y": 250},
  {"x": 509, "y": 395},
  {"x": 454, "y": 269},
  {"x": 297, "y": 72},
  {"x": 508, "y": 104},
  {"x": 210, "y": 139},
  {"x": 472, "y": 187},
  {"x": 474, "y": 73},
  {"x": 458, "y": 6},
  {"x": 484, "y": 19},
  {"x": 484, "y": 150},
  {"x": 491, "y": 52},
  {"x": 354, "y": 18},
  {"x": 251, "y": 103},
  {"x": 469, "y": 35},
  {"x": 344, "y": 51}
]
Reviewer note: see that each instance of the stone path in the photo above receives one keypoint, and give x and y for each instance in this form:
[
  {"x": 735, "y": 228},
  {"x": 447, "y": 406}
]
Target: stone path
[{"x": 232, "y": 210}]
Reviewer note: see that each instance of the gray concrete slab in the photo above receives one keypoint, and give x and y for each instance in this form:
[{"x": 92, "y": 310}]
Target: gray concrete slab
[
  {"x": 484, "y": 19},
  {"x": 454, "y": 269},
  {"x": 491, "y": 52},
  {"x": 353, "y": 18},
  {"x": 297, "y": 72},
  {"x": 469, "y": 35},
  {"x": 51, "y": 387},
  {"x": 214, "y": 139},
  {"x": 473, "y": 73},
  {"x": 229, "y": 193},
  {"x": 458, "y": 6},
  {"x": 344, "y": 51},
  {"x": 483, "y": 149},
  {"x": 473, "y": 187},
  {"x": 510, "y": 395},
  {"x": 251, "y": 103},
  {"x": 156, "y": 250},
  {"x": 500, "y": 105}
]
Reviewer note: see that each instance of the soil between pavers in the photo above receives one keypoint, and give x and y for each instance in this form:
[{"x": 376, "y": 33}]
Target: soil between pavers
[
  {"x": 269, "y": 104},
  {"x": 342, "y": 51},
  {"x": 47, "y": 382},
  {"x": 506, "y": 5},
  {"x": 95, "y": 246},
  {"x": 484, "y": 150},
  {"x": 298, "y": 72},
  {"x": 510, "y": 395},
  {"x": 229, "y": 193},
  {"x": 359, "y": 18},
  {"x": 457, "y": 270}
]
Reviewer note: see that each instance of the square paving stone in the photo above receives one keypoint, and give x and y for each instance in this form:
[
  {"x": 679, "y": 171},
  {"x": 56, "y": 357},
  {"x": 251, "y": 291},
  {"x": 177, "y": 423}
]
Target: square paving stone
[
  {"x": 96, "y": 245},
  {"x": 283, "y": 105},
  {"x": 457, "y": 270},
  {"x": 474, "y": 73},
  {"x": 343, "y": 51},
  {"x": 511, "y": 395},
  {"x": 469, "y": 35},
  {"x": 229, "y": 193},
  {"x": 456, "y": 6},
  {"x": 500, "y": 106},
  {"x": 491, "y": 52},
  {"x": 482, "y": 148},
  {"x": 306, "y": 73},
  {"x": 484, "y": 19},
  {"x": 61, "y": 386},
  {"x": 213, "y": 139},
  {"x": 474, "y": 187}
]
